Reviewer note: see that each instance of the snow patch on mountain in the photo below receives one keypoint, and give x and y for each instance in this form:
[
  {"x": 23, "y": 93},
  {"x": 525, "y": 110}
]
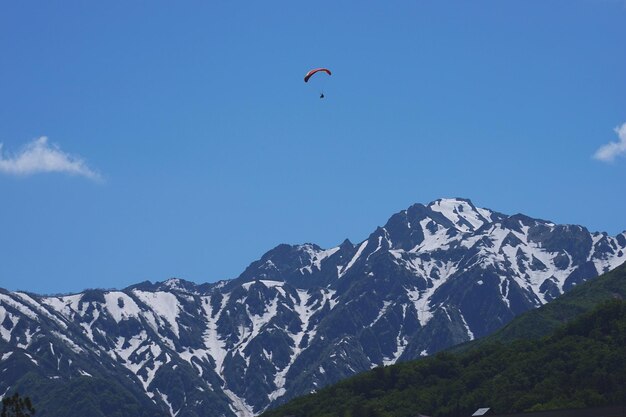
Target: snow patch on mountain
[
  {"x": 247, "y": 334},
  {"x": 421, "y": 299},
  {"x": 215, "y": 345},
  {"x": 164, "y": 304},
  {"x": 356, "y": 256},
  {"x": 267, "y": 283},
  {"x": 166, "y": 400},
  {"x": 67, "y": 305},
  {"x": 68, "y": 342},
  {"x": 304, "y": 314},
  {"x": 120, "y": 306},
  {"x": 25, "y": 310},
  {"x": 433, "y": 239},
  {"x": 6, "y": 317},
  {"x": 316, "y": 257},
  {"x": 26, "y": 339},
  {"x": 35, "y": 305},
  {"x": 611, "y": 258},
  {"x": 239, "y": 406},
  {"x": 381, "y": 313},
  {"x": 461, "y": 213}
]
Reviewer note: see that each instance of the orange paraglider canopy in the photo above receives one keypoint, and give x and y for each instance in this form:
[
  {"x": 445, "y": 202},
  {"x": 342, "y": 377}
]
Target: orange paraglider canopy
[{"x": 314, "y": 71}]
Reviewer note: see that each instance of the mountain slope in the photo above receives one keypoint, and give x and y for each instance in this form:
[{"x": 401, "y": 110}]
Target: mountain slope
[
  {"x": 581, "y": 364},
  {"x": 303, "y": 317},
  {"x": 546, "y": 319}
]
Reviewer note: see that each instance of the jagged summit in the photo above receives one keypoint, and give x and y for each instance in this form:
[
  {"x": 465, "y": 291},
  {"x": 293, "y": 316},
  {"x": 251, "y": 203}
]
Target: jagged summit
[
  {"x": 302, "y": 316},
  {"x": 171, "y": 284}
]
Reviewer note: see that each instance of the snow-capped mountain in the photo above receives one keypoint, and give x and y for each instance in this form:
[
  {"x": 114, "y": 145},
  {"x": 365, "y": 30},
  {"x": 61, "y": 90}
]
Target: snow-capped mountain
[{"x": 303, "y": 317}]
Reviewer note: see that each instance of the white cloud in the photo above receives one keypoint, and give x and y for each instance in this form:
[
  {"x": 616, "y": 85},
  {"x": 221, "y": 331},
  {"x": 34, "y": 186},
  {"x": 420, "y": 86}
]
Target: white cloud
[
  {"x": 612, "y": 150},
  {"x": 38, "y": 156}
]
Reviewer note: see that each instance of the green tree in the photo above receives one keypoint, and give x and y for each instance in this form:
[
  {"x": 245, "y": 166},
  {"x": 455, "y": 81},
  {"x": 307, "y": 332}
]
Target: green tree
[{"x": 15, "y": 406}]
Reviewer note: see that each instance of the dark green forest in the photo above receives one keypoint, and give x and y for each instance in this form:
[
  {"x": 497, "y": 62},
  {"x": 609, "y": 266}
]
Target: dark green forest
[{"x": 86, "y": 396}]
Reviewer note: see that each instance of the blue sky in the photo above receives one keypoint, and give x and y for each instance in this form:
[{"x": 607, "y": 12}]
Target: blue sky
[{"x": 182, "y": 140}]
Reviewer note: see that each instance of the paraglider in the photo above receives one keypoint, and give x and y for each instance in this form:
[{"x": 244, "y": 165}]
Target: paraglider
[{"x": 313, "y": 72}]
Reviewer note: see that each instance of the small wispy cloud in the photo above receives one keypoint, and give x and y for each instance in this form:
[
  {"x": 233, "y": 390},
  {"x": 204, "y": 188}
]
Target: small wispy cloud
[
  {"x": 612, "y": 150},
  {"x": 39, "y": 156}
]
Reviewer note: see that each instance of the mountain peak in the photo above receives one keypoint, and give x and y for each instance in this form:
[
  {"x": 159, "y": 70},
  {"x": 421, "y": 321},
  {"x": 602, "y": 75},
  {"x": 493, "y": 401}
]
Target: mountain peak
[
  {"x": 176, "y": 284},
  {"x": 455, "y": 202},
  {"x": 462, "y": 213},
  {"x": 346, "y": 244},
  {"x": 458, "y": 200}
]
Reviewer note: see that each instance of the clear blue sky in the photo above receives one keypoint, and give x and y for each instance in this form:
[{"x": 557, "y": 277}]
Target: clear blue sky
[{"x": 196, "y": 145}]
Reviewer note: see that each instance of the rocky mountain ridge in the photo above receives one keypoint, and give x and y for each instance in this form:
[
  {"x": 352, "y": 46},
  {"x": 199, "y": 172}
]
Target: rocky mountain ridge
[{"x": 302, "y": 317}]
